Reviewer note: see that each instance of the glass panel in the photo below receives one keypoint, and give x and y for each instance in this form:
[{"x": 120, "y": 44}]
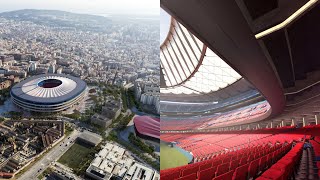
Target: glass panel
[{"x": 212, "y": 75}]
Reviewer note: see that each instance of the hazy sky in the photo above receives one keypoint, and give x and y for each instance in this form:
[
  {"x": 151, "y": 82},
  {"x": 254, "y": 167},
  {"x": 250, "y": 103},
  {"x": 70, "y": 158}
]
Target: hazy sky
[
  {"x": 165, "y": 20},
  {"x": 139, "y": 7}
]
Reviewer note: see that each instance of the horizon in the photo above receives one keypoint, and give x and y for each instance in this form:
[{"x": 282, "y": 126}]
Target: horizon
[
  {"x": 85, "y": 13},
  {"x": 93, "y": 7}
]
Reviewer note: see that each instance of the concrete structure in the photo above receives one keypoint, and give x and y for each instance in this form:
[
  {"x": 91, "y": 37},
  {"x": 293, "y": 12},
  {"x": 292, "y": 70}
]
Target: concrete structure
[
  {"x": 59, "y": 71},
  {"x": 33, "y": 66},
  {"x": 89, "y": 138},
  {"x": 5, "y": 84},
  {"x": 139, "y": 171},
  {"x": 100, "y": 120},
  {"x": 48, "y": 93},
  {"x": 147, "y": 91},
  {"x": 114, "y": 161},
  {"x": 111, "y": 109},
  {"x": 52, "y": 68}
]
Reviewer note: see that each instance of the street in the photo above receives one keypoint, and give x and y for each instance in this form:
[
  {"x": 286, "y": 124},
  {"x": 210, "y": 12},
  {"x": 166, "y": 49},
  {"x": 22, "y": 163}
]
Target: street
[{"x": 53, "y": 155}]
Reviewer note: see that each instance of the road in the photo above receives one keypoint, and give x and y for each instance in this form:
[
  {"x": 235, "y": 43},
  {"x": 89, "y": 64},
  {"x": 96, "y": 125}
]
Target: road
[{"x": 53, "y": 155}]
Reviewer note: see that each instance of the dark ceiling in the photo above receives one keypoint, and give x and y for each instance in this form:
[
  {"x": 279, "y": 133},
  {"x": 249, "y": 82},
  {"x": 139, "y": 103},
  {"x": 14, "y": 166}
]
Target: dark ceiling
[
  {"x": 259, "y": 8},
  {"x": 271, "y": 63},
  {"x": 295, "y": 50}
]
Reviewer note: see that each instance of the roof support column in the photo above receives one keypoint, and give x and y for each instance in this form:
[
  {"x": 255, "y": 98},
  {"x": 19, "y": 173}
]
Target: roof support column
[{"x": 293, "y": 122}]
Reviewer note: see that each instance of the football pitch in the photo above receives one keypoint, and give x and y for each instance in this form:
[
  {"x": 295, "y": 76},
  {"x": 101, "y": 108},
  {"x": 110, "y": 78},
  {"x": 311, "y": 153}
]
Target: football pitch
[
  {"x": 171, "y": 157},
  {"x": 74, "y": 156}
]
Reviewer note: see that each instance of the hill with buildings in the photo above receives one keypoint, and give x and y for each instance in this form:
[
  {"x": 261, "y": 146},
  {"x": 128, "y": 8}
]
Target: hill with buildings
[{"x": 54, "y": 18}]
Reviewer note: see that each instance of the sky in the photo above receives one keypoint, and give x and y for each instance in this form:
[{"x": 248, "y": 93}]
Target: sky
[
  {"x": 102, "y": 7},
  {"x": 165, "y": 20}
]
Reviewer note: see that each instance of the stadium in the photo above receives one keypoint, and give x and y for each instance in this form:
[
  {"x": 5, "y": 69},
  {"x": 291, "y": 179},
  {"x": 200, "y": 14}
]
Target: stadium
[
  {"x": 240, "y": 90},
  {"x": 147, "y": 127},
  {"x": 48, "y": 92}
]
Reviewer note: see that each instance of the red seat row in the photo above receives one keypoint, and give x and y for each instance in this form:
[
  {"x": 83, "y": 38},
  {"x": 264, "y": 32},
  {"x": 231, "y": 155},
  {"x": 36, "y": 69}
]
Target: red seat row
[
  {"x": 230, "y": 167},
  {"x": 204, "y": 146},
  {"x": 284, "y": 167}
]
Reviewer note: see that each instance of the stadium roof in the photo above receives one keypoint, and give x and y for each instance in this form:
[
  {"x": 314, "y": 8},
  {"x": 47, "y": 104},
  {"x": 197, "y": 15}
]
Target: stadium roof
[
  {"x": 148, "y": 126},
  {"x": 188, "y": 65},
  {"x": 32, "y": 89}
]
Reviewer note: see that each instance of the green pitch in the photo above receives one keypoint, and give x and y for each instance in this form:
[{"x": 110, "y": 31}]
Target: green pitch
[
  {"x": 74, "y": 156},
  {"x": 171, "y": 157}
]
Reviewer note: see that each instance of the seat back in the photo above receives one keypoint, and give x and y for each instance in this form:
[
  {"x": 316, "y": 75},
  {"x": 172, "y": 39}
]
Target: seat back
[
  {"x": 171, "y": 176},
  {"x": 263, "y": 163},
  {"x": 216, "y": 163},
  {"x": 222, "y": 168},
  {"x": 254, "y": 168},
  {"x": 234, "y": 164},
  {"x": 190, "y": 170},
  {"x": 224, "y": 176},
  {"x": 274, "y": 174},
  {"x": 243, "y": 161},
  {"x": 226, "y": 160},
  {"x": 188, "y": 177},
  {"x": 207, "y": 174},
  {"x": 205, "y": 166},
  {"x": 269, "y": 160},
  {"x": 241, "y": 172},
  {"x": 250, "y": 158}
]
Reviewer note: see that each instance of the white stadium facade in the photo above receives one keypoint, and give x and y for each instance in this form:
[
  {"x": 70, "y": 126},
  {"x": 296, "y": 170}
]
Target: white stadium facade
[{"x": 48, "y": 92}]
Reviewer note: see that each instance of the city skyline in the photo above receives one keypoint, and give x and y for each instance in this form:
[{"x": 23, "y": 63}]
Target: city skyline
[
  {"x": 112, "y": 62},
  {"x": 94, "y": 7}
]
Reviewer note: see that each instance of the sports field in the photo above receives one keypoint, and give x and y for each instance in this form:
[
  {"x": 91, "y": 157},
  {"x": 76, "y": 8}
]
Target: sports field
[
  {"x": 74, "y": 156},
  {"x": 171, "y": 157}
]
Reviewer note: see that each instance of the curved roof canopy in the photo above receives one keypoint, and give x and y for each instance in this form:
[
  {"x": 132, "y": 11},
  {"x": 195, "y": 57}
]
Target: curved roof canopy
[
  {"x": 146, "y": 125},
  {"x": 189, "y": 66},
  {"x": 48, "y": 88}
]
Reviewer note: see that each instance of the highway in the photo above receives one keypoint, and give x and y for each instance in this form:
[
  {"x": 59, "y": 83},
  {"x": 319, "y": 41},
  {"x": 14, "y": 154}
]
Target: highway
[{"x": 53, "y": 155}]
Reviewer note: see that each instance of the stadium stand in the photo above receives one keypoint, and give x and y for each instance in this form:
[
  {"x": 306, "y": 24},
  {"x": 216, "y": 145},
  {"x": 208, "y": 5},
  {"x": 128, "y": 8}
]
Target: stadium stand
[
  {"x": 242, "y": 90},
  {"x": 278, "y": 153},
  {"x": 223, "y": 119}
]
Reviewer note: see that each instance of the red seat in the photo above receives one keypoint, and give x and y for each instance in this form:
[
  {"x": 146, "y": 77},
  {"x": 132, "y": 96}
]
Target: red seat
[
  {"x": 207, "y": 174},
  {"x": 226, "y": 160},
  {"x": 189, "y": 177},
  {"x": 263, "y": 163},
  {"x": 239, "y": 156},
  {"x": 225, "y": 176},
  {"x": 216, "y": 163},
  {"x": 277, "y": 155},
  {"x": 235, "y": 157},
  {"x": 241, "y": 172},
  {"x": 273, "y": 174},
  {"x": 269, "y": 160},
  {"x": 234, "y": 164},
  {"x": 285, "y": 165},
  {"x": 190, "y": 170},
  {"x": 254, "y": 168},
  {"x": 205, "y": 166},
  {"x": 262, "y": 178},
  {"x": 243, "y": 161},
  {"x": 167, "y": 177},
  {"x": 256, "y": 156},
  {"x": 222, "y": 168},
  {"x": 250, "y": 158},
  {"x": 171, "y": 176}
]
